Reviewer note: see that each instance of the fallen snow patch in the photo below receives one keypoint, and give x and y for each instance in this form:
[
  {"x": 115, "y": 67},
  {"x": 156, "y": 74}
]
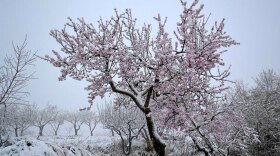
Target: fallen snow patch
[{"x": 34, "y": 147}]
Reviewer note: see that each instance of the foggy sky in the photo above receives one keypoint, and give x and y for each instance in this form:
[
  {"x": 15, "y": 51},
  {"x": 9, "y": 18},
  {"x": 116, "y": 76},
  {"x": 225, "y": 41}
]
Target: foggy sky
[{"x": 255, "y": 24}]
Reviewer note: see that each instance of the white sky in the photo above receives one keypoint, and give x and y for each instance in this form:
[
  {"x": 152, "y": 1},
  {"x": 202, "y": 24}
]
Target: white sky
[{"x": 253, "y": 23}]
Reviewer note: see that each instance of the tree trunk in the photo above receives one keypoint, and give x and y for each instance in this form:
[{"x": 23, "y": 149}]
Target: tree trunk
[
  {"x": 56, "y": 130},
  {"x": 258, "y": 146},
  {"x": 41, "y": 130},
  {"x": 75, "y": 129},
  {"x": 91, "y": 133},
  {"x": 159, "y": 145},
  {"x": 21, "y": 132},
  {"x": 16, "y": 131},
  {"x": 76, "y": 132},
  {"x": 92, "y": 129},
  {"x": 112, "y": 132},
  {"x": 149, "y": 144}
]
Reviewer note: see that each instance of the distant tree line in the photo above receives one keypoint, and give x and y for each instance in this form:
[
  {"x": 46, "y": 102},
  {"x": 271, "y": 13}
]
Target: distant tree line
[
  {"x": 260, "y": 105},
  {"x": 20, "y": 118}
]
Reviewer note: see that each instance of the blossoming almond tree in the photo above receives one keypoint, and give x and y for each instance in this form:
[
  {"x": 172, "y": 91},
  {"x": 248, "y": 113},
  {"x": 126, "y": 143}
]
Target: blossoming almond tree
[{"x": 155, "y": 73}]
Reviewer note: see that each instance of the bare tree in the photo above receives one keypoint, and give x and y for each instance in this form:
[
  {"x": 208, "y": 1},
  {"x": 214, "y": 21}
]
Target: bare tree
[
  {"x": 13, "y": 78},
  {"x": 58, "y": 121},
  {"x": 44, "y": 116},
  {"x": 77, "y": 119},
  {"x": 125, "y": 122},
  {"x": 19, "y": 119},
  {"x": 261, "y": 106},
  {"x": 4, "y": 133},
  {"x": 91, "y": 120}
]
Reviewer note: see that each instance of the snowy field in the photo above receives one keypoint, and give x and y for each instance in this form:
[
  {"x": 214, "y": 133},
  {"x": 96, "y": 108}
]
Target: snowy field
[
  {"x": 102, "y": 143},
  {"x": 65, "y": 144}
]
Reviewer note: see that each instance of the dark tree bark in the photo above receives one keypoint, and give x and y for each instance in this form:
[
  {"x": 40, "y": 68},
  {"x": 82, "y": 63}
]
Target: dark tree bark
[
  {"x": 77, "y": 128},
  {"x": 56, "y": 128},
  {"x": 92, "y": 129},
  {"x": 16, "y": 131},
  {"x": 159, "y": 146},
  {"x": 41, "y": 128}
]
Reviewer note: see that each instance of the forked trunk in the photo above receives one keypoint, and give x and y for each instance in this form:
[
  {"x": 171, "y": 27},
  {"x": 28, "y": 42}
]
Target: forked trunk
[
  {"x": 56, "y": 130},
  {"x": 76, "y": 129},
  {"x": 41, "y": 130}
]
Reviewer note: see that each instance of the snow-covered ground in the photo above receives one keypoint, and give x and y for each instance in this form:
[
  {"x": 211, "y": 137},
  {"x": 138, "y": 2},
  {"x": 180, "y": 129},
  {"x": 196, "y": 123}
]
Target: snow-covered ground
[
  {"x": 28, "y": 146},
  {"x": 101, "y": 143}
]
